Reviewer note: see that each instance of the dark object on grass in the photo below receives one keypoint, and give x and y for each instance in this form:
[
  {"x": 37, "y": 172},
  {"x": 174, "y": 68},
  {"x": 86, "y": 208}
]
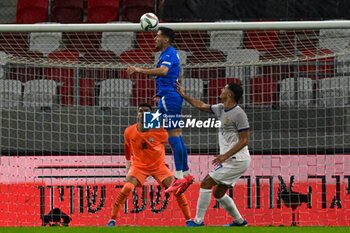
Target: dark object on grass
[{"x": 56, "y": 218}]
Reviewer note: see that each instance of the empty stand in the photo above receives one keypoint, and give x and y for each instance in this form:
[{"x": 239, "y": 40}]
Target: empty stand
[
  {"x": 206, "y": 56},
  {"x": 99, "y": 56},
  {"x": 335, "y": 40},
  {"x": 103, "y": 11},
  {"x": 317, "y": 64},
  {"x": 13, "y": 42},
  {"x": 278, "y": 70},
  {"x": 89, "y": 76},
  {"x": 31, "y": 11},
  {"x": 192, "y": 40},
  {"x": 197, "y": 43},
  {"x": 39, "y": 93},
  {"x": 3, "y": 63},
  {"x": 144, "y": 89},
  {"x": 63, "y": 75},
  {"x": 261, "y": 40},
  {"x": 82, "y": 41},
  {"x": 193, "y": 87},
  {"x": 215, "y": 87},
  {"x": 67, "y": 11},
  {"x": 132, "y": 10},
  {"x": 136, "y": 56},
  {"x": 145, "y": 41},
  {"x": 263, "y": 91},
  {"x": 333, "y": 92},
  {"x": 296, "y": 92},
  {"x": 117, "y": 42},
  {"x": 26, "y": 72},
  {"x": 45, "y": 42},
  {"x": 242, "y": 57},
  {"x": 225, "y": 40},
  {"x": 87, "y": 92},
  {"x": 342, "y": 62},
  {"x": 301, "y": 40},
  {"x": 115, "y": 93},
  {"x": 10, "y": 93}
]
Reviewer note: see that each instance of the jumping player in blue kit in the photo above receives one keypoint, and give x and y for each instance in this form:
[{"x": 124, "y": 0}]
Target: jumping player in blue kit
[{"x": 167, "y": 73}]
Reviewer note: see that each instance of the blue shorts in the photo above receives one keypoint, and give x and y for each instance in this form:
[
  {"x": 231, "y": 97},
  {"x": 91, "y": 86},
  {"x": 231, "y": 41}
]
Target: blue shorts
[{"x": 171, "y": 108}]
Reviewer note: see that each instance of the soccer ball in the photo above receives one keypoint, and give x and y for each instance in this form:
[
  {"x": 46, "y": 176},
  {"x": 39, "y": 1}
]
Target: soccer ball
[{"x": 149, "y": 21}]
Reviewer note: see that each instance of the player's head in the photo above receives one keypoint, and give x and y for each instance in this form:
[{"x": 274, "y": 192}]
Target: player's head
[
  {"x": 144, "y": 107},
  {"x": 165, "y": 37},
  {"x": 231, "y": 91}
]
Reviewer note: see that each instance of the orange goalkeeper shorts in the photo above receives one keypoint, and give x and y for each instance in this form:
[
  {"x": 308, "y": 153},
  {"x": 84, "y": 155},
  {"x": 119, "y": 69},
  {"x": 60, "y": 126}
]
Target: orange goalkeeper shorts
[{"x": 158, "y": 174}]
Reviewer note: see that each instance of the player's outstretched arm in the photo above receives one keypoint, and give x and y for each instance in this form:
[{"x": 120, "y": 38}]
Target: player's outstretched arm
[
  {"x": 161, "y": 71},
  {"x": 194, "y": 102}
]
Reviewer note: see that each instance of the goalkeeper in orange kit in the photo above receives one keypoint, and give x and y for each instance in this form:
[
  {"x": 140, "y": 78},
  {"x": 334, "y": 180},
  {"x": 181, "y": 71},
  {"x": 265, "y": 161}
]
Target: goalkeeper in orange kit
[{"x": 146, "y": 146}]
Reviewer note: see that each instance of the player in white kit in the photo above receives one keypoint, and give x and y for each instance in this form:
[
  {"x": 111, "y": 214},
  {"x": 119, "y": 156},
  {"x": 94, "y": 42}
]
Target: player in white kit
[{"x": 234, "y": 158}]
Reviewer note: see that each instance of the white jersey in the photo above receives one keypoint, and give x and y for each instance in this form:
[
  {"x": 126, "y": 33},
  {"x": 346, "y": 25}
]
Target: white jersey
[{"x": 233, "y": 121}]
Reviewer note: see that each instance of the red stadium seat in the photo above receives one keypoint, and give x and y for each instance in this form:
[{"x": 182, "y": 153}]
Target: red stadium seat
[
  {"x": 261, "y": 40},
  {"x": 132, "y": 10},
  {"x": 263, "y": 91},
  {"x": 301, "y": 39},
  {"x": 137, "y": 56},
  {"x": 192, "y": 40},
  {"x": 207, "y": 56},
  {"x": 13, "y": 42},
  {"x": 64, "y": 76},
  {"x": 145, "y": 41},
  {"x": 144, "y": 86},
  {"x": 144, "y": 89},
  {"x": 25, "y": 73},
  {"x": 67, "y": 11},
  {"x": 93, "y": 75},
  {"x": 280, "y": 70},
  {"x": 103, "y": 11},
  {"x": 31, "y": 11},
  {"x": 82, "y": 41},
  {"x": 87, "y": 92},
  {"x": 310, "y": 64},
  {"x": 215, "y": 86}
]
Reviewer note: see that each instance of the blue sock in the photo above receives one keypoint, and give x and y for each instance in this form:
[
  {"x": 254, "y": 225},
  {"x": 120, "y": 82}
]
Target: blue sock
[
  {"x": 185, "y": 160},
  {"x": 176, "y": 145}
]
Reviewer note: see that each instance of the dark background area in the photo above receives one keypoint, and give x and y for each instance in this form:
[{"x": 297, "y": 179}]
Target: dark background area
[{"x": 252, "y": 10}]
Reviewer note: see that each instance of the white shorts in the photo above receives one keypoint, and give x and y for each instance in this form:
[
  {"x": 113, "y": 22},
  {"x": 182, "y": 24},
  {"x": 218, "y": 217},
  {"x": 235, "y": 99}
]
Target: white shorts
[{"x": 229, "y": 172}]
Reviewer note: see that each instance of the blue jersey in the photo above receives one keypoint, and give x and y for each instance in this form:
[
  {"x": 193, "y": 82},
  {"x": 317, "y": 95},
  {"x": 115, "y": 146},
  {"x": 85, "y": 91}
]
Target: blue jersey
[{"x": 166, "y": 83}]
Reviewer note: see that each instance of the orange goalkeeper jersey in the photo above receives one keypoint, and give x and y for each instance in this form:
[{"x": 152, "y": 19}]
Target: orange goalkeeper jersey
[{"x": 147, "y": 148}]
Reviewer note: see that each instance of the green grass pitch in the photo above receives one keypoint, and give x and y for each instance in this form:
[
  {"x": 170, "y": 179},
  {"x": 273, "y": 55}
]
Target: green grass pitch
[{"x": 175, "y": 229}]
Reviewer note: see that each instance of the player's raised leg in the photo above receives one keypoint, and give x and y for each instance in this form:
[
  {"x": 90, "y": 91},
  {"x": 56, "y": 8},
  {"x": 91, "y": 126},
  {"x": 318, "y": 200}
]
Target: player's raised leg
[
  {"x": 179, "y": 152},
  {"x": 181, "y": 200}
]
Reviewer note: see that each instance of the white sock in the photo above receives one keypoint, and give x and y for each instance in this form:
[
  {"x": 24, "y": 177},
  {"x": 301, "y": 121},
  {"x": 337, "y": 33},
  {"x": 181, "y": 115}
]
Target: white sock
[
  {"x": 186, "y": 173},
  {"x": 231, "y": 208},
  {"x": 179, "y": 175},
  {"x": 202, "y": 204}
]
